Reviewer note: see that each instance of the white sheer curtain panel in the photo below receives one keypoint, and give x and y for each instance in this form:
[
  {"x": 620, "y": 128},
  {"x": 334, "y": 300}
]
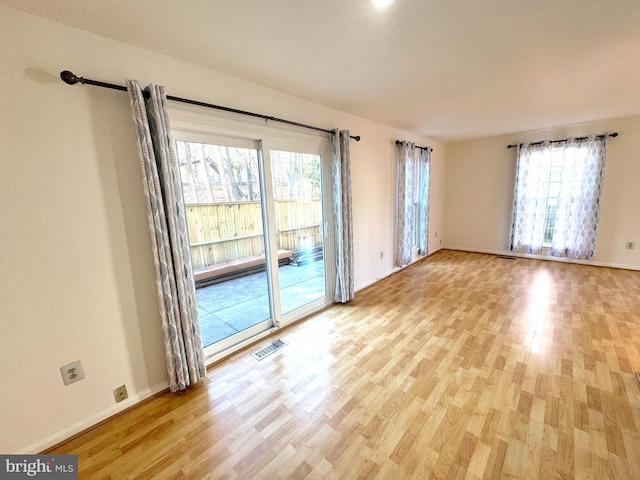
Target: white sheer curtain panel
[
  {"x": 169, "y": 237},
  {"x": 404, "y": 202},
  {"x": 557, "y": 197},
  {"x": 343, "y": 212},
  {"x": 423, "y": 203},
  {"x": 531, "y": 193}
]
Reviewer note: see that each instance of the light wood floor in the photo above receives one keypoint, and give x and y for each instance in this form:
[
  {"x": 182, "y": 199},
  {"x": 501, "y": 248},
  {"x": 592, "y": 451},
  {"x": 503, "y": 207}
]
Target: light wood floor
[{"x": 462, "y": 366}]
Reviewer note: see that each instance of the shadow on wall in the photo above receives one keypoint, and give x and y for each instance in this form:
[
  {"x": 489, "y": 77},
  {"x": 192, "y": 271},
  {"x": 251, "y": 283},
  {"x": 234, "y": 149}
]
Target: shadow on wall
[{"x": 125, "y": 208}]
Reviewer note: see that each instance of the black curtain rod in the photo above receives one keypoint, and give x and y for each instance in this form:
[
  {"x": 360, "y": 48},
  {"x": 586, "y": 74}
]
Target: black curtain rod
[
  {"x": 71, "y": 79},
  {"x": 398, "y": 142},
  {"x": 577, "y": 139}
]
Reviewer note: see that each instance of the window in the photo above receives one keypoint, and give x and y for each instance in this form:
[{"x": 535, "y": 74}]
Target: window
[
  {"x": 416, "y": 201},
  {"x": 552, "y": 198},
  {"x": 557, "y": 197}
]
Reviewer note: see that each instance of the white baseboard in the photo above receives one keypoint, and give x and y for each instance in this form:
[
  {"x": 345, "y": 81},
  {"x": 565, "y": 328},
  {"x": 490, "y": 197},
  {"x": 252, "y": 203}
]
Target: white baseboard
[
  {"x": 547, "y": 257},
  {"x": 376, "y": 280},
  {"x": 91, "y": 421},
  {"x": 394, "y": 270}
]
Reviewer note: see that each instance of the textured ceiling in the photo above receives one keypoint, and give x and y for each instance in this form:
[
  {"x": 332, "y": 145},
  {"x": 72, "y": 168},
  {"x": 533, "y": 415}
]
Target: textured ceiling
[{"x": 445, "y": 69}]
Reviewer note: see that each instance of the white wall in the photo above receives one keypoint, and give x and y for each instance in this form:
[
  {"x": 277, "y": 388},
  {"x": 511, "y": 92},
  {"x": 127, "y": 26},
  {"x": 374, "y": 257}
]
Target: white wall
[
  {"x": 480, "y": 180},
  {"x": 77, "y": 278}
]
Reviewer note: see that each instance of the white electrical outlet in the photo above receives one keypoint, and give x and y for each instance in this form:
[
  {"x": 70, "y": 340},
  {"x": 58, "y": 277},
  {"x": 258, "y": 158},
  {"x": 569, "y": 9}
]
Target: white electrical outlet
[
  {"x": 72, "y": 372},
  {"x": 630, "y": 245},
  {"x": 381, "y": 254}
]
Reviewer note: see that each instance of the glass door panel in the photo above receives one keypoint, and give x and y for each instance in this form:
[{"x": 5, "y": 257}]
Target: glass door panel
[
  {"x": 299, "y": 224},
  {"x": 225, "y": 213}
]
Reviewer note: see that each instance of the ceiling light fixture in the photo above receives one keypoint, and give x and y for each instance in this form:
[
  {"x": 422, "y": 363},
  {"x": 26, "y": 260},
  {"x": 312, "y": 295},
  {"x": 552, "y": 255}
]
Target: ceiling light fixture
[{"x": 380, "y": 4}]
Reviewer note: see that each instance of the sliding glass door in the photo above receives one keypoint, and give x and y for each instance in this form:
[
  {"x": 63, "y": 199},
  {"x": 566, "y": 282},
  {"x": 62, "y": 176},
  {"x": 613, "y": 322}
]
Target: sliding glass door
[
  {"x": 223, "y": 194},
  {"x": 256, "y": 220},
  {"x": 299, "y": 224}
]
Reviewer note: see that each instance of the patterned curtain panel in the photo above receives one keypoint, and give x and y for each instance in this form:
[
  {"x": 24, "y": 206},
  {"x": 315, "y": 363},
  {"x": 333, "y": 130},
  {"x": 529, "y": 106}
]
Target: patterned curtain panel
[
  {"x": 169, "y": 238},
  {"x": 341, "y": 180},
  {"x": 578, "y": 203},
  {"x": 404, "y": 202},
  {"x": 557, "y": 198},
  {"x": 423, "y": 203}
]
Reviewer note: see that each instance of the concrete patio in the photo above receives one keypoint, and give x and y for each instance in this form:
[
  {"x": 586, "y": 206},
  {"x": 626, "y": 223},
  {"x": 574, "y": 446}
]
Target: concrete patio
[{"x": 229, "y": 307}]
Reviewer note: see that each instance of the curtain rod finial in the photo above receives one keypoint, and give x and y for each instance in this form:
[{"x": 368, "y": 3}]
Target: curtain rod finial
[
  {"x": 69, "y": 78},
  {"x": 356, "y": 138}
]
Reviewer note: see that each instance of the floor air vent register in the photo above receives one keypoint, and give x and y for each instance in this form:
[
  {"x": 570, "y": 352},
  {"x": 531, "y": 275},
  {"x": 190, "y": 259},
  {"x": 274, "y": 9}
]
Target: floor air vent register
[{"x": 269, "y": 349}]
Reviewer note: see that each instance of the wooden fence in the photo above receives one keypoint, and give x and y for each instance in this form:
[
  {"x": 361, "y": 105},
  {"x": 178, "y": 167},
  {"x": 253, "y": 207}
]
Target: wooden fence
[{"x": 222, "y": 232}]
